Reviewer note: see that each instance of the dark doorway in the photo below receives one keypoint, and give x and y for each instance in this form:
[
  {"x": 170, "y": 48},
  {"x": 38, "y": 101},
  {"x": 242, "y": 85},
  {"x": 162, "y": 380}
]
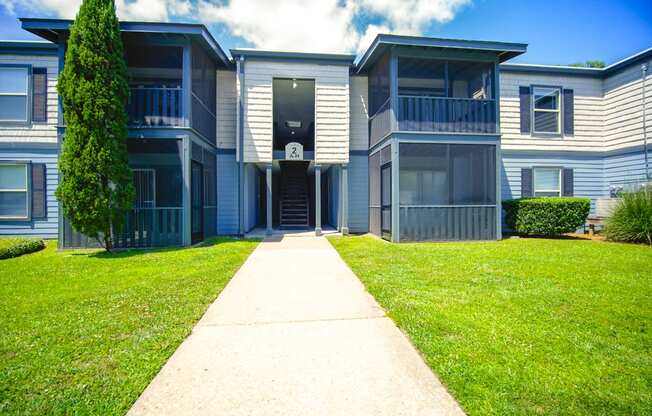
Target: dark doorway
[
  {"x": 386, "y": 201},
  {"x": 196, "y": 202},
  {"x": 294, "y": 112}
]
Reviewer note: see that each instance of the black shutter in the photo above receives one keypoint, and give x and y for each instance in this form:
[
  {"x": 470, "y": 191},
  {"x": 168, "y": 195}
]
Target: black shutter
[
  {"x": 39, "y": 95},
  {"x": 524, "y": 94},
  {"x": 569, "y": 110},
  {"x": 567, "y": 182},
  {"x": 39, "y": 204},
  {"x": 526, "y": 183}
]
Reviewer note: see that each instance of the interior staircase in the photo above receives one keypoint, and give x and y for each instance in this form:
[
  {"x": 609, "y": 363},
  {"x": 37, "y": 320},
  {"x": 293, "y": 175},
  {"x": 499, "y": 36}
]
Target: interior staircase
[{"x": 294, "y": 196}]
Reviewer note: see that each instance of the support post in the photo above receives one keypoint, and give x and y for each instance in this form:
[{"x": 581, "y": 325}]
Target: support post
[
  {"x": 317, "y": 200},
  {"x": 268, "y": 183},
  {"x": 186, "y": 85},
  {"x": 395, "y": 192},
  {"x": 344, "y": 191},
  {"x": 185, "y": 194},
  {"x": 393, "y": 90}
]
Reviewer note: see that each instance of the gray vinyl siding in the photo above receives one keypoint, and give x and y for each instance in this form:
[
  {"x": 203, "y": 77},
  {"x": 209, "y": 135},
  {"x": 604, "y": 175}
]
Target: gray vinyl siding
[
  {"x": 227, "y": 194},
  {"x": 35, "y": 132},
  {"x": 588, "y": 113},
  {"x": 251, "y": 196},
  {"x": 587, "y": 173},
  {"x": 359, "y": 121},
  {"x": 358, "y": 194},
  {"x": 625, "y": 169},
  {"x": 45, "y": 227},
  {"x": 623, "y": 102}
]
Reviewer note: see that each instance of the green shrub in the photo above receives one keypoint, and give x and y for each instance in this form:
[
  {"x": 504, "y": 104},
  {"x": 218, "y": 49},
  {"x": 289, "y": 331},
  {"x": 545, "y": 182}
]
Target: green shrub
[
  {"x": 631, "y": 218},
  {"x": 546, "y": 216},
  {"x": 14, "y": 247}
]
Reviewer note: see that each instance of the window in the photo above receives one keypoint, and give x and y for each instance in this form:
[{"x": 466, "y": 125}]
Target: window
[
  {"x": 547, "y": 182},
  {"x": 14, "y": 88},
  {"x": 546, "y": 107},
  {"x": 13, "y": 191}
]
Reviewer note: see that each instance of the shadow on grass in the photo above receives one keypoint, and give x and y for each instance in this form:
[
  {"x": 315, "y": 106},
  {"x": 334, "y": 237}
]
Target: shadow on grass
[
  {"x": 134, "y": 252},
  {"x": 546, "y": 237}
]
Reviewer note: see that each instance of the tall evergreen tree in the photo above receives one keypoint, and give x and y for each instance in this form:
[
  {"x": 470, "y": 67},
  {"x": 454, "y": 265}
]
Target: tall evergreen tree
[{"x": 96, "y": 188}]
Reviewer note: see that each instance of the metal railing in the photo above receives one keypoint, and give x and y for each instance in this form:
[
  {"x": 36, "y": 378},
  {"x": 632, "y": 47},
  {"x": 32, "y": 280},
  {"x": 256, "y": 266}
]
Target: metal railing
[
  {"x": 155, "y": 107},
  {"x": 151, "y": 227},
  {"x": 445, "y": 114}
]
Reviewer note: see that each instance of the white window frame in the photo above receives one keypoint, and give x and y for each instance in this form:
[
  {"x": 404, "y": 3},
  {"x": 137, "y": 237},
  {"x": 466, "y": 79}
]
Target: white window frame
[
  {"x": 534, "y": 180},
  {"x": 27, "y": 94},
  {"x": 28, "y": 199},
  {"x": 544, "y": 110}
]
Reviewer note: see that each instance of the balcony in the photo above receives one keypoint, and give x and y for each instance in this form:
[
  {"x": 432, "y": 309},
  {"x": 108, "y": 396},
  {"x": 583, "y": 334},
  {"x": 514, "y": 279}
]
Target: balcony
[
  {"x": 432, "y": 95},
  {"x": 155, "y": 107},
  {"x": 446, "y": 115}
]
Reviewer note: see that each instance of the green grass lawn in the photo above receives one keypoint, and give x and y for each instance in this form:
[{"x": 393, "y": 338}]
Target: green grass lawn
[
  {"x": 522, "y": 326},
  {"x": 84, "y": 332}
]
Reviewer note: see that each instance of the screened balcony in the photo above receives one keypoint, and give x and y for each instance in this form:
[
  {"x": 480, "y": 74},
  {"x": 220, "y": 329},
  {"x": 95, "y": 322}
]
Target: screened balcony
[
  {"x": 432, "y": 95},
  {"x": 155, "y": 91}
]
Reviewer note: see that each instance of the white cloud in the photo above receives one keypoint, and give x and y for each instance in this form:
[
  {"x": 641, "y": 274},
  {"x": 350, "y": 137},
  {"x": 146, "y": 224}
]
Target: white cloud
[
  {"x": 325, "y": 26},
  {"x": 303, "y": 25}
]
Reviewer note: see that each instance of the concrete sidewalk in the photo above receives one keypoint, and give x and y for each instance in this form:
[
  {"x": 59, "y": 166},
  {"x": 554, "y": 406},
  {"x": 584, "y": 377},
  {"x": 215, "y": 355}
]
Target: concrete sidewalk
[{"x": 295, "y": 333}]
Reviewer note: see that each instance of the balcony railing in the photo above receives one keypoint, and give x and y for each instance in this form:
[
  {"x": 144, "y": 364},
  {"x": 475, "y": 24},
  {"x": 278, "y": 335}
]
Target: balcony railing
[
  {"x": 155, "y": 107},
  {"x": 150, "y": 227},
  {"x": 446, "y": 115}
]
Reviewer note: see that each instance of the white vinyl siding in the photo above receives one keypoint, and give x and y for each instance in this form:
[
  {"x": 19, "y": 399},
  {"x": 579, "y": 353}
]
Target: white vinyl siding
[
  {"x": 331, "y": 108},
  {"x": 226, "y": 109},
  {"x": 35, "y": 132}
]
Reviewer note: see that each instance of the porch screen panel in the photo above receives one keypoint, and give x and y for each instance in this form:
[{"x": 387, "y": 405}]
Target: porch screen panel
[
  {"x": 447, "y": 192},
  {"x": 374, "y": 193},
  {"x": 203, "y": 93},
  {"x": 379, "y": 105}
]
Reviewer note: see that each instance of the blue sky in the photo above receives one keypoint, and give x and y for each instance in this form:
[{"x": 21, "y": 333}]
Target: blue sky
[{"x": 557, "y": 32}]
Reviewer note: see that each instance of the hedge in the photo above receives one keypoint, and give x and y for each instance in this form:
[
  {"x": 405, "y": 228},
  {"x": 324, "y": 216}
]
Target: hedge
[
  {"x": 546, "y": 216},
  {"x": 14, "y": 247}
]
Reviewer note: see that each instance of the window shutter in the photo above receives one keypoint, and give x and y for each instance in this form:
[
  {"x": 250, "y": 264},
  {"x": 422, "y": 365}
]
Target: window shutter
[
  {"x": 567, "y": 182},
  {"x": 39, "y": 204},
  {"x": 569, "y": 110},
  {"x": 526, "y": 183},
  {"x": 524, "y": 93},
  {"x": 39, "y": 94}
]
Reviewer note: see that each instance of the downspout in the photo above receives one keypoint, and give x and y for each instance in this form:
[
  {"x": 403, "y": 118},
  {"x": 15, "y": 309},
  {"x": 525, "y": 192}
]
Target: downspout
[
  {"x": 645, "y": 148},
  {"x": 241, "y": 63}
]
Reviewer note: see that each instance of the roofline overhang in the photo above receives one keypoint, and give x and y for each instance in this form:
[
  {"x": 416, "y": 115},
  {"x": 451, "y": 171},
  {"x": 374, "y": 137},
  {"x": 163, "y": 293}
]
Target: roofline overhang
[
  {"x": 50, "y": 29},
  {"x": 579, "y": 71},
  {"x": 22, "y": 47},
  {"x": 503, "y": 50},
  {"x": 327, "y": 58}
]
